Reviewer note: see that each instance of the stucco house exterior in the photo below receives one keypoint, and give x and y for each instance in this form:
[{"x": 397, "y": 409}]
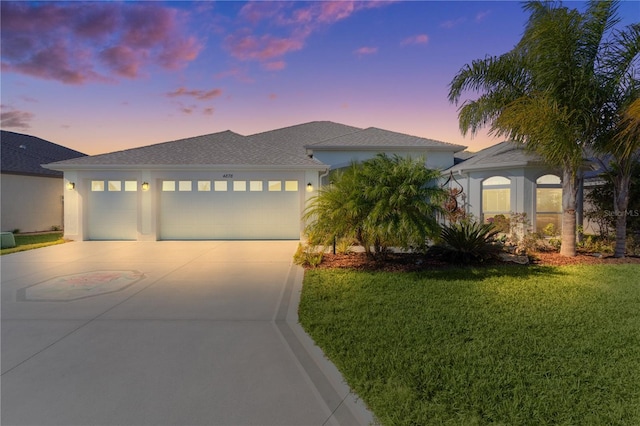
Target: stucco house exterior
[
  {"x": 31, "y": 196},
  {"x": 228, "y": 186}
]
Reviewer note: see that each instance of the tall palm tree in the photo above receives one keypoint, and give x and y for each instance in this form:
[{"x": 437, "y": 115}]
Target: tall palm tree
[{"x": 542, "y": 93}]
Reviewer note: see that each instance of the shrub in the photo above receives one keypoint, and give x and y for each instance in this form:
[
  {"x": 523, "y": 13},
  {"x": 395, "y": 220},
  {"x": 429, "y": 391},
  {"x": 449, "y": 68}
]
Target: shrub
[
  {"x": 307, "y": 255},
  {"x": 467, "y": 242}
]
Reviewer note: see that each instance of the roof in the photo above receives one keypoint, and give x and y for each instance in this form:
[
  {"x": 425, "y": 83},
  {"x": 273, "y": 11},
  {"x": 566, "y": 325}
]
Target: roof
[
  {"x": 24, "y": 154},
  {"x": 374, "y": 138},
  {"x": 281, "y": 147},
  {"x": 504, "y": 154},
  {"x": 222, "y": 148}
]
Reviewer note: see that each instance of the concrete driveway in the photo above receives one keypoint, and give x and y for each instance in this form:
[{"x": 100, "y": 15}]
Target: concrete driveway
[{"x": 162, "y": 333}]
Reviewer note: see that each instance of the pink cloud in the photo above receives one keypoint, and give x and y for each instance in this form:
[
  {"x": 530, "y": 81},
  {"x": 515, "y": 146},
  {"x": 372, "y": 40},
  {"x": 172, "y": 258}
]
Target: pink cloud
[
  {"x": 482, "y": 15},
  {"x": 15, "y": 119},
  {"x": 452, "y": 23},
  {"x": 416, "y": 39},
  {"x": 239, "y": 74},
  {"x": 200, "y": 95},
  {"x": 256, "y": 11},
  {"x": 275, "y": 66},
  {"x": 208, "y": 111},
  {"x": 77, "y": 43},
  {"x": 273, "y": 96},
  {"x": 363, "y": 51},
  {"x": 266, "y": 47}
]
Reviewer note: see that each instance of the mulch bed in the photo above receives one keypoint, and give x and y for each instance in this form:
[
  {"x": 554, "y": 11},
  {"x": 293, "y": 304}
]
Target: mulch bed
[{"x": 413, "y": 262}]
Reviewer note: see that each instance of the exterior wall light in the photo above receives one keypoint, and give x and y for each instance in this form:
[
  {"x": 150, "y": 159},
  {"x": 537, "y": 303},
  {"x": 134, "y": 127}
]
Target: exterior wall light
[
  {"x": 71, "y": 186},
  {"x": 309, "y": 187},
  {"x": 145, "y": 186}
]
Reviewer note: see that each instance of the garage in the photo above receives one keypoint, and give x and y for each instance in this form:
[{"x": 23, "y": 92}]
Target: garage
[
  {"x": 112, "y": 210},
  {"x": 229, "y": 209}
]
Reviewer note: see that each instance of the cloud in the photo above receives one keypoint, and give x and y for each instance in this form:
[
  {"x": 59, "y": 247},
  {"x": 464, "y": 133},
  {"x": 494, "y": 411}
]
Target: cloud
[
  {"x": 416, "y": 39},
  {"x": 77, "y": 42},
  {"x": 363, "y": 51},
  {"x": 237, "y": 73},
  {"x": 480, "y": 16},
  {"x": 273, "y": 96},
  {"x": 295, "y": 23},
  {"x": 15, "y": 119},
  {"x": 200, "y": 95},
  {"x": 208, "y": 111},
  {"x": 452, "y": 23}
]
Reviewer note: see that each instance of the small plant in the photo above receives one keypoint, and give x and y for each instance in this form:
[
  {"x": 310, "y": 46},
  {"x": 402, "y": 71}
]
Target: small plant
[
  {"x": 344, "y": 245},
  {"x": 307, "y": 255},
  {"x": 56, "y": 228},
  {"x": 468, "y": 242},
  {"x": 16, "y": 231},
  {"x": 550, "y": 230}
]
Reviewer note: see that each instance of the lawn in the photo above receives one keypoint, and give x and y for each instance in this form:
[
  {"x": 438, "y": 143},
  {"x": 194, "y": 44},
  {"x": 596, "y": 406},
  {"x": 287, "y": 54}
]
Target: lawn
[
  {"x": 33, "y": 241},
  {"x": 504, "y": 345}
]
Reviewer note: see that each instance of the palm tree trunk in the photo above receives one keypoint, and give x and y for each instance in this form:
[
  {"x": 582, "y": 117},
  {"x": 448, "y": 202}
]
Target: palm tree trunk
[
  {"x": 621, "y": 202},
  {"x": 570, "y": 183}
]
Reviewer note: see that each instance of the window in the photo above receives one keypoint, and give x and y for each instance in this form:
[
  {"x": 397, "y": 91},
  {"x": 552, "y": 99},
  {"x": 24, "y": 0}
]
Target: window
[
  {"x": 204, "y": 185},
  {"x": 168, "y": 185},
  {"x": 275, "y": 185},
  {"x": 184, "y": 185},
  {"x": 130, "y": 185},
  {"x": 548, "y": 203},
  {"x": 239, "y": 185},
  {"x": 496, "y": 197},
  {"x": 255, "y": 185},
  {"x": 291, "y": 185},
  {"x": 220, "y": 185},
  {"x": 97, "y": 185},
  {"x": 115, "y": 186}
]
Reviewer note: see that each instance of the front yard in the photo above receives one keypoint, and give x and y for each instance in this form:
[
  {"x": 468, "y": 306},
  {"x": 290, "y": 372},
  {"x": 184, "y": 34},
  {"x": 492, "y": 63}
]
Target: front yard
[
  {"x": 33, "y": 241},
  {"x": 514, "y": 345}
]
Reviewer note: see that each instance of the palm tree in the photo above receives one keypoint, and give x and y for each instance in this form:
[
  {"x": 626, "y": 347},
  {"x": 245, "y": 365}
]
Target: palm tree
[
  {"x": 382, "y": 202},
  {"x": 542, "y": 93}
]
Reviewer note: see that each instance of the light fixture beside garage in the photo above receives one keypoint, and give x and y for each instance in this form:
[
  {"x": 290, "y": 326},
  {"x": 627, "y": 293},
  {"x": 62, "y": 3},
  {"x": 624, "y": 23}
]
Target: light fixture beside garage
[
  {"x": 309, "y": 187},
  {"x": 145, "y": 186},
  {"x": 71, "y": 186}
]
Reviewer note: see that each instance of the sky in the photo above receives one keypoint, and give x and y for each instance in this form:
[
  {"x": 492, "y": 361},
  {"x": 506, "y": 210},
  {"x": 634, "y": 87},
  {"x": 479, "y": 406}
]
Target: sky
[{"x": 105, "y": 76}]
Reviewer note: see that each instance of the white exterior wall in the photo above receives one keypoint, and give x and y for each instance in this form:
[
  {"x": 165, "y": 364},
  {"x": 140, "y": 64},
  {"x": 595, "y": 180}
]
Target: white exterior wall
[
  {"x": 337, "y": 159},
  {"x": 31, "y": 203},
  {"x": 523, "y": 189}
]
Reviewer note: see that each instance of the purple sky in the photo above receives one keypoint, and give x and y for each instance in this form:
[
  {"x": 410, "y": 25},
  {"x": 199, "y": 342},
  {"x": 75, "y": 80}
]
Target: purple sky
[{"x": 104, "y": 76}]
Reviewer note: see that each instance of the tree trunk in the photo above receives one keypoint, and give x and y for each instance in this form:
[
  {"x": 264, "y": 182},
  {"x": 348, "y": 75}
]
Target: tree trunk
[
  {"x": 621, "y": 202},
  {"x": 570, "y": 183}
]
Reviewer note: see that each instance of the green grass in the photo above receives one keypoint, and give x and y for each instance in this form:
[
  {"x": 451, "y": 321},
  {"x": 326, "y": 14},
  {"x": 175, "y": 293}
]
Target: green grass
[
  {"x": 34, "y": 241},
  {"x": 507, "y": 345}
]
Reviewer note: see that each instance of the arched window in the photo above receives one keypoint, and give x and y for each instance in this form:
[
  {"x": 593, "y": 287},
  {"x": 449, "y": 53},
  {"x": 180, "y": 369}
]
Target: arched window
[
  {"x": 548, "y": 203},
  {"x": 496, "y": 197}
]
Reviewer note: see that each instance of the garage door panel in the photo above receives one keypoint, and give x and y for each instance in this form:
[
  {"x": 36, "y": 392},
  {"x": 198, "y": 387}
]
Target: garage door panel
[
  {"x": 112, "y": 215},
  {"x": 230, "y": 214}
]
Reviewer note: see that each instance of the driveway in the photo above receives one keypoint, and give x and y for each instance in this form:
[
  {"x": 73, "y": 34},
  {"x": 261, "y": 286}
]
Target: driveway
[{"x": 163, "y": 333}]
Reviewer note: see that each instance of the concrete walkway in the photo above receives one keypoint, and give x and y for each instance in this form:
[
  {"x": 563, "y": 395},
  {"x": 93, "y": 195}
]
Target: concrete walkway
[{"x": 163, "y": 333}]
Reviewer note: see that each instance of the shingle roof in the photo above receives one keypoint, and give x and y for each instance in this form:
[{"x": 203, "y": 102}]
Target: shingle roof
[
  {"x": 504, "y": 154},
  {"x": 23, "y": 154},
  {"x": 374, "y": 138},
  {"x": 295, "y": 138},
  {"x": 223, "y": 148}
]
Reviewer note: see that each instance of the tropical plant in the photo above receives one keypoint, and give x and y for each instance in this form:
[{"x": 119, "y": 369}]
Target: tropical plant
[
  {"x": 547, "y": 92},
  {"x": 467, "y": 242},
  {"x": 383, "y": 202}
]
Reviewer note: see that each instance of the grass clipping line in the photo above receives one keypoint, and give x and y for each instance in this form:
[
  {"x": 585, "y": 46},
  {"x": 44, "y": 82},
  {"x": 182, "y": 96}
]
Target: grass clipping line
[{"x": 506, "y": 345}]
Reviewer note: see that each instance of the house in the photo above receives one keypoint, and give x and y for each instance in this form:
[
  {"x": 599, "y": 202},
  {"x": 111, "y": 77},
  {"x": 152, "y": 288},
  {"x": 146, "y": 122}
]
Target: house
[
  {"x": 222, "y": 185},
  {"x": 32, "y": 196},
  {"x": 229, "y": 186}
]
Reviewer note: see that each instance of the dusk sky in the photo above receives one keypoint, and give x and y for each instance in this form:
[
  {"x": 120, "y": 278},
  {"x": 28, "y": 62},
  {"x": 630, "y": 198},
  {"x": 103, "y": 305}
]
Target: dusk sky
[{"x": 104, "y": 76}]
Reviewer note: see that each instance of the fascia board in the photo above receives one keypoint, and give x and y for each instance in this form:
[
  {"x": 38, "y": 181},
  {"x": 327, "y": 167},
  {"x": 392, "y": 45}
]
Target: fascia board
[
  {"x": 350, "y": 148},
  {"x": 178, "y": 167}
]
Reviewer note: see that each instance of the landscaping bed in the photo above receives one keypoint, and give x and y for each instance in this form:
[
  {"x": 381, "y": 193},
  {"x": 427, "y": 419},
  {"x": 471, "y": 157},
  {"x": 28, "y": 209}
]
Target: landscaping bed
[{"x": 408, "y": 262}]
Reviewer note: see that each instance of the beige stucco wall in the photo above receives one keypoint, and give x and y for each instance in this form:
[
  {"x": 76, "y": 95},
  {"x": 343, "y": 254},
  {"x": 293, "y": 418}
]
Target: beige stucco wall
[{"x": 30, "y": 203}]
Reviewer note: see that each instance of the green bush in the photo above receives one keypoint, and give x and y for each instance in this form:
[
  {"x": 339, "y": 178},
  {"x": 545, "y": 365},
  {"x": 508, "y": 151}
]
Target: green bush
[
  {"x": 467, "y": 242},
  {"x": 307, "y": 255}
]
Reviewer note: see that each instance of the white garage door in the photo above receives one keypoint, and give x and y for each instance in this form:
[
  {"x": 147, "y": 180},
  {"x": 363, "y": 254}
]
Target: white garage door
[
  {"x": 230, "y": 209},
  {"x": 112, "y": 212}
]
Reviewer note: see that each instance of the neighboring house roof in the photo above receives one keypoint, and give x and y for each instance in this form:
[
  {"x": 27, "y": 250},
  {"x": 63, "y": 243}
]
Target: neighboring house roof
[
  {"x": 503, "y": 155},
  {"x": 373, "y": 138},
  {"x": 24, "y": 154},
  {"x": 224, "y": 148}
]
